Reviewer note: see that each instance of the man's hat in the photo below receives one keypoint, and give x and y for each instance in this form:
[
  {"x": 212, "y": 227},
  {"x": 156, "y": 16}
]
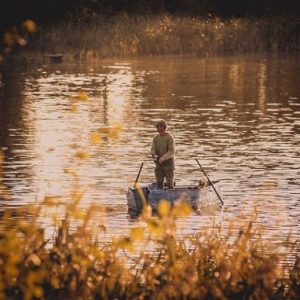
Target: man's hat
[{"x": 161, "y": 122}]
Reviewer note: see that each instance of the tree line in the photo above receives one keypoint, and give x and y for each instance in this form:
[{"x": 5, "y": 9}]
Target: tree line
[{"x": 14, "y": 11}]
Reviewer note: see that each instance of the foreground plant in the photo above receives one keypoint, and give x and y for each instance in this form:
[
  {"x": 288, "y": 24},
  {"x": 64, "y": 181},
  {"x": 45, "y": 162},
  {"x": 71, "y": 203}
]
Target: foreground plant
[{"x": 76, "y": 264}]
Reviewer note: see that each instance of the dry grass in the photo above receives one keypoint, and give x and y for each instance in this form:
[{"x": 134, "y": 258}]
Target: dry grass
[
  {"x": 128, "y": 36},
  {"x": 75, "y": 264}
]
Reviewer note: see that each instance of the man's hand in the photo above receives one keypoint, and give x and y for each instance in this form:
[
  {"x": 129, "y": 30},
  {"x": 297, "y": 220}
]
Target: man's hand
[{"x": 161, "y": 160}]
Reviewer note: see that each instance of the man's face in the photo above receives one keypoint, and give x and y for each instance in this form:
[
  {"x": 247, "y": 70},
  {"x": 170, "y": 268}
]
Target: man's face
[{"x": 160, "y": 128}]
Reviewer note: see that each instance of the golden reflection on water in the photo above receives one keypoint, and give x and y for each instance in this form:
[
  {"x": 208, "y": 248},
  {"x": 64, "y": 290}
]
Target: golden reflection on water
[
  {"x": 58, "y": 133},
  {"x": 261, "y": 87},
  {"x": 230, "y": 113}
]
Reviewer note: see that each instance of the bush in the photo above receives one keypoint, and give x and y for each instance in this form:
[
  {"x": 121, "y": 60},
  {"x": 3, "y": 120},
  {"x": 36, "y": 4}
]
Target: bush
[{"x": 75, "y": 264}]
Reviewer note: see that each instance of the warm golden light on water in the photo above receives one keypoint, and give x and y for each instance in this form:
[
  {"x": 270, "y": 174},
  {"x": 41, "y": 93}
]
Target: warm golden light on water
[{"x": 94, "y": 127}]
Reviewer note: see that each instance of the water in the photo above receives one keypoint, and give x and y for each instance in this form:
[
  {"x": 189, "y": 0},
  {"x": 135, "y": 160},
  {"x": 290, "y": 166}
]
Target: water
[{"x": 240, "y": 116}]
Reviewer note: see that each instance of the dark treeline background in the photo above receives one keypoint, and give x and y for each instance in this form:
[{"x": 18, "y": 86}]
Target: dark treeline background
[{"x": 13, "y": 12}]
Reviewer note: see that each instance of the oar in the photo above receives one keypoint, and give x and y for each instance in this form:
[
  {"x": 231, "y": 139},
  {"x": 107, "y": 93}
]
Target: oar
[
  {"x": 138, "y": 175},
  {"x": 210, "y": 182}
]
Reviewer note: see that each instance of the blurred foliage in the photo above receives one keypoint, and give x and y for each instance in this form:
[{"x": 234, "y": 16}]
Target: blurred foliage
[
  {"x": 76, "y": 264},
  {"x": 16, "y": 37}
]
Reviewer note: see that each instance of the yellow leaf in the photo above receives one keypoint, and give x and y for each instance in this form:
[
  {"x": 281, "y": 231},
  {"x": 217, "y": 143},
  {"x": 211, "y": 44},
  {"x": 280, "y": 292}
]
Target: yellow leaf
[
  {"x": 181, "y": 209},
  {"x": 137, "y": 233},
  {"x": 55, "y": 282},
  {"x": 82, "y": 96},
  {"x": 22, "y": 42},
  {"x": 147, "y": 210},
  {"x": 115, "y": 130},
  {"x": 117, "y": 127},
  {"x": 95, "y": 138},
  {"x": 163, "y": 208},
  {"x": 82, "y": 154},
  {"x": 73, "y": 108},
  {"x": 76, "y": 195},
  {"x": 38, "y": 292},
  {"x": 71, "y": 172},
  {"x": 79, "y": 214},
  {"x": 9, "y": 39},
  {"x": 155, "y": 227},
  {"x": 30, "y": 26},
  {"x": 34, "y": 259},
  {"x": 124, "y": 243},
  {"x": 99, "y": 254},
  {"x": 11, "y": 270},
  {"x": 104, "y": 130},
  {"x": 113, "y": 134},
  {"x": 50, "y": 201},
  {"x": 55, "y": 219}
]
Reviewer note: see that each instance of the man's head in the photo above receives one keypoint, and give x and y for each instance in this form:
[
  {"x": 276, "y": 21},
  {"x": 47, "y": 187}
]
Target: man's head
[
  {"x": 161, "y": 123},
  {"x": 161, "y": 126}
]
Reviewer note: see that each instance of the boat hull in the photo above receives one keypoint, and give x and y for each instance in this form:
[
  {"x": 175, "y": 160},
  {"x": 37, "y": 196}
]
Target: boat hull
[{"x": 151, "y": 195}]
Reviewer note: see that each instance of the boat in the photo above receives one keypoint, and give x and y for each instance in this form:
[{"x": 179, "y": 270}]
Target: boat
[
  {"x": 55, "y": 57},
  {"x": 151, "y": 194}
]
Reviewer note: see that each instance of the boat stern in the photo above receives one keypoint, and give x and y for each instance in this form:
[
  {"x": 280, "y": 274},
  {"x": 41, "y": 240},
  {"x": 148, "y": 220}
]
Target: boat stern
[{"x": 136, "y": 198}]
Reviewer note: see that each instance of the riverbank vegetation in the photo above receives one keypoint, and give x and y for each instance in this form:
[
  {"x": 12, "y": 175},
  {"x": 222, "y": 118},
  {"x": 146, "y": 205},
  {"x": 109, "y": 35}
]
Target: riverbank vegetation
[
  {"x": 125, "y": 36},
  {"x": 88, "y": 31},
  {"x": 75, "y": 262}
]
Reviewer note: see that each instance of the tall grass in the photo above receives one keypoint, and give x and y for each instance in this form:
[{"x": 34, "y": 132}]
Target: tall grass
[
  {"x": 75, "y": 264},
  {"x": 131, "y": 36}
]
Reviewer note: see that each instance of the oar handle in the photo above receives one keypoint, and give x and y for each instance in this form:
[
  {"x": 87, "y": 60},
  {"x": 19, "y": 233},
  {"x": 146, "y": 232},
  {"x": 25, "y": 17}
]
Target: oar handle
[
  {"x": 138, "y": 175},
  {"x": 210, "y": 182},
  {"x": 154, "y": 158}
]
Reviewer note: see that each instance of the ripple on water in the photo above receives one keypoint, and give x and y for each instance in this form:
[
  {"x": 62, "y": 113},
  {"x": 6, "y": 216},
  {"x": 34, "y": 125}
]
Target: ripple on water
[{"x": 244, "y": 132}]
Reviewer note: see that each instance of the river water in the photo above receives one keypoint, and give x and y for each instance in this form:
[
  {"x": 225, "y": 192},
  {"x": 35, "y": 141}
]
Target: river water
[{"x": 239, "y": 116}]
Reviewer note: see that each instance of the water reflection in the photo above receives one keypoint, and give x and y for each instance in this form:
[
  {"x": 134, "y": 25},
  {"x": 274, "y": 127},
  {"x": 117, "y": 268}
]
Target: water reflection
[{"x": 239, "y": 116}]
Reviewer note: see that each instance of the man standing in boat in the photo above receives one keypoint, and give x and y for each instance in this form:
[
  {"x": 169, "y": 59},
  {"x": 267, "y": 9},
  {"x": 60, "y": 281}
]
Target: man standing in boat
[{"x": 163, "y": 152}]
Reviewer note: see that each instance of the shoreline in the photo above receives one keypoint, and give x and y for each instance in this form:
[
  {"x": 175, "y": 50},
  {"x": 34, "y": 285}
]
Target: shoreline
[{"x": 128, "y": 37}]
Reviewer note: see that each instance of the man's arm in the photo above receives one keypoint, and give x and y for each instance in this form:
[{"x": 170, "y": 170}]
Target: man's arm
[
  {"x": 171, "y": 149},
  {"x": 153, "y": 149}
]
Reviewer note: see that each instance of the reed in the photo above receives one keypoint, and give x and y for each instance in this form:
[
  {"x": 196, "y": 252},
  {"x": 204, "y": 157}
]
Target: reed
[
  {"x": 132, "y": 36},
  {"x": 76, "y": 264}
]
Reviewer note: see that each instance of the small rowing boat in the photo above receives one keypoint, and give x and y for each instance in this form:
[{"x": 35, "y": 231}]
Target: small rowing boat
[{"x": 150, "y": 194}]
